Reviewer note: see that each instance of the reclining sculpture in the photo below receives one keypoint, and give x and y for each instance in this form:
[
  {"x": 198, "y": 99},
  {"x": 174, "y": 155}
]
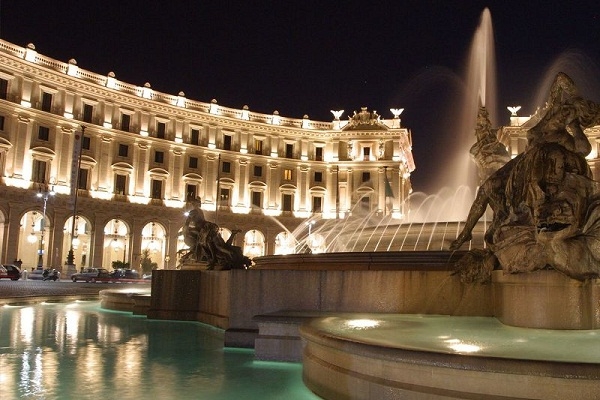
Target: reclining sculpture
[
  {"x": 545, "y": 202},
  {"x": 206, "y": 244}
]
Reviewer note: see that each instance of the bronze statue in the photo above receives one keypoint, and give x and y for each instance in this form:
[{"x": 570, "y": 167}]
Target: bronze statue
[
  {"x": 545, "y": 202},
  {"x": 206, "y": 244},
  {"x": 488, "y": 153}
]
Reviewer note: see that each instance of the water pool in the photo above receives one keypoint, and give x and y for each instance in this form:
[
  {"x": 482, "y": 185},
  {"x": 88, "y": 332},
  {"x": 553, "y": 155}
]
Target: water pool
[{"x": 78, "y": 350}]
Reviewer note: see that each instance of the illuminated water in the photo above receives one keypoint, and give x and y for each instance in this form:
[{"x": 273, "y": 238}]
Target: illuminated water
[
  {"x": 81, "y": 351},
  {"x": 474, "y": 336}
]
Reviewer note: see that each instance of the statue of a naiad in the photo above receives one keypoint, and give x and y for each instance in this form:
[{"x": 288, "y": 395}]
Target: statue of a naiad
[
  {"x": 206, "y": 244},
  {"x": 545, "y": 202}
]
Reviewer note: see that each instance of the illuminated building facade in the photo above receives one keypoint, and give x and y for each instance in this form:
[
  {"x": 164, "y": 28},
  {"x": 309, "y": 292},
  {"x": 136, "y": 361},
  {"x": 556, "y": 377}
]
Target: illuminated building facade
[{"x": 115, "y": 163}]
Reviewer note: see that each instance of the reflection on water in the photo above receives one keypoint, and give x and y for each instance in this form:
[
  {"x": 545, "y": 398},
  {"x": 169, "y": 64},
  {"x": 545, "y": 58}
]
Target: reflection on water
[{"x": 80, "y": 351}]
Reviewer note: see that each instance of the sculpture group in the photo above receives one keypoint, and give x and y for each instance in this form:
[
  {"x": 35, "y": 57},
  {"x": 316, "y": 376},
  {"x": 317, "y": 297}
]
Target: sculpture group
[
  {"x": 206, "y": 244},
  {"x": 545, "y": 202}
]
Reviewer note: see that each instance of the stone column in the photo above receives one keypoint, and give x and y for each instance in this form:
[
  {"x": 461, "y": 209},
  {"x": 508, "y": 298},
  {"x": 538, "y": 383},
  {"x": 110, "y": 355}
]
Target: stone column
[
  {"x": 242, "y": 182},
  {"x": 176, "y": 166},
  {"x": 140, "y": 159},
  {"x": 19, "y": 156},
  {"x": 303, "y": 186},
  {"x": 104, "y": 174}
]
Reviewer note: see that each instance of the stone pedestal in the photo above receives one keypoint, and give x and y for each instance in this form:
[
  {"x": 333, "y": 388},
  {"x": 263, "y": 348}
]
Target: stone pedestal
[
  {"x": 175, "y": 295},
  {"x": 546, "y": 299},
  {"x": 196, "y": 266}
]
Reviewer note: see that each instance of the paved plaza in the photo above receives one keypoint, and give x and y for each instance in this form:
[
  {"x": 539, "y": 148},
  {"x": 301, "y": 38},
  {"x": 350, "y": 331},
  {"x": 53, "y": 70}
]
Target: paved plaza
[{"x": 36, "y": 290}]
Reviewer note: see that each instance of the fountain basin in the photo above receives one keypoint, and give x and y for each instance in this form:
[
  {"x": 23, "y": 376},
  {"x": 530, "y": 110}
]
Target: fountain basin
[{"x": 387, "y": 356}]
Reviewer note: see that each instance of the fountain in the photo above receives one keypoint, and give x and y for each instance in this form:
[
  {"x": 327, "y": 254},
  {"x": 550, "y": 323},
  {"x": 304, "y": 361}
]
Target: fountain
[
  {"x": 434, "y": 323},
  {"x": 540, "y": 264}
]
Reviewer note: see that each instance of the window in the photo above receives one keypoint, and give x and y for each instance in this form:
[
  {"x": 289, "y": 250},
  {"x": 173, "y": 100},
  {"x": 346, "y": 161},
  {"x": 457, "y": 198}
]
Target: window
[
  {"x": 161, "y": 129},
  {"x": 258, "y": 146},
  {"x": 86, "y": 142},
  {"x": 366, "y": 176},
  {"x": 159, "y": 157},
  {"x": 287, "y": 174},
  {"x": 226, "y": 167},
  {"x": 227, "y": 142},
  {"x": 125, "y": 122},
  {"x": 46, "y": 102},
  {"x": 120, "y": 184},
  {"x": 257, "y": 170},
  {"x": 366, "y": 153},
  {"x": 287, "y": 202},
  {"x": 88, "y": 112},
  {"x": 38, "y": 173},
  {"x": 193, "y": 162},
  {"x": 289, "y": 150},
  {"x": 123, "y": 150},
  {"x": 156, "y": 192},
  {"x": 224, "y": 198},
  {"x": 1, "y": 122},
  {"x": 195, "y": 137},
  {"x": 44, "y": 133},
  {"x": 257, "y": 199},
  {"x": 318, "y": 154},
  {"x": 191, "y": 191},
  {"x": 82, "y": 179},
  {"x": 317, "y": 204},
  {"x": 318, "y": 176},
  {"x": 3, "y": 89}
]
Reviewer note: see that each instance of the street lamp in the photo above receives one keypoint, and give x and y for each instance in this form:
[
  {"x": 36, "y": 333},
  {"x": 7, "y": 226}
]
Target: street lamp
[
  {"x": 75, "y": 171},
  {"x": 44, "y": 194}
]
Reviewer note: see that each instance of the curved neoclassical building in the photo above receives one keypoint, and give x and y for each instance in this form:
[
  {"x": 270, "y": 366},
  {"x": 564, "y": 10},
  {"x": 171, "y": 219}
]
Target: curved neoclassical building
[{"x": 96, "y": 171}]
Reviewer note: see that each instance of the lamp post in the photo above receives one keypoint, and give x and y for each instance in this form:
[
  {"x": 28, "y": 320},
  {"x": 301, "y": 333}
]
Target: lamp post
[
  {"x": 44, "y": 195},
  {"x": 75, "y": 168}
]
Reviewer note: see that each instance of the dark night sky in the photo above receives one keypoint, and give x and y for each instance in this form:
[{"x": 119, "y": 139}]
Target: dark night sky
[{"x": 309, "y": 57}]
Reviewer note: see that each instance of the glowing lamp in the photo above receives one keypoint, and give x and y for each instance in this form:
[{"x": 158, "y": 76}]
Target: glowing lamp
[{"x": 32, "y": 238}]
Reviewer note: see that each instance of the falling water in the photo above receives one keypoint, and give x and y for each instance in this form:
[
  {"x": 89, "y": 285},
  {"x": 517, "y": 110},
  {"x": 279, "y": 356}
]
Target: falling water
[
  {"x": 433, "y": 220},
  {"x": 426, "y": 227},
  {"x": 480, "y": 89},
  {"x": 580, "y": 67}
]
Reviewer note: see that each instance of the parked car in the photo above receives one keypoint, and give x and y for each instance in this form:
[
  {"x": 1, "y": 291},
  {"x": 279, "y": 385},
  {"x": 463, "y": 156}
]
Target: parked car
[
  {"x": 9, "y": 271},
  {"x": 125, "y": 274},
  {"x": 92, "y": 275}
]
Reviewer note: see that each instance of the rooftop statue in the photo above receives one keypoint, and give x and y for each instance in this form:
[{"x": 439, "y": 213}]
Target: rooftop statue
[
  {"x": 365, "y": 120},
  {"x": 206, "y": 244},
  {"x": 546, "y": 205}
]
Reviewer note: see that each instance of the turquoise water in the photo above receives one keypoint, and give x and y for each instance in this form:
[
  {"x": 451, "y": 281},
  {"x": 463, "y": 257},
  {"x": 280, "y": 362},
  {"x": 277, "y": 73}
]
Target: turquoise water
[{"x": 80, "y": 351}]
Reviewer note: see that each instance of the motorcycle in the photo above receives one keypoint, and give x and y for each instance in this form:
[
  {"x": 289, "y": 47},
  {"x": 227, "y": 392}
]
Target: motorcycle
[{"x": 51, "y": 275}]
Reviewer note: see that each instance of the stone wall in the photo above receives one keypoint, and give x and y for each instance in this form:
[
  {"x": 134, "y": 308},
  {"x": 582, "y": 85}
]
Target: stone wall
[{"x": 230, "y": 299}]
